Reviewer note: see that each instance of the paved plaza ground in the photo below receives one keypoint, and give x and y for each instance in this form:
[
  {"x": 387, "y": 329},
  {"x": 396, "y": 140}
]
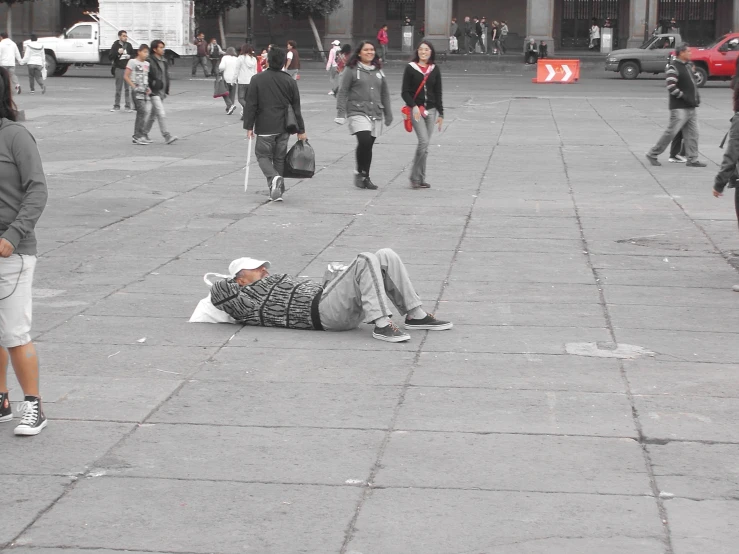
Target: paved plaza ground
[{"x": 544, "y": 230}]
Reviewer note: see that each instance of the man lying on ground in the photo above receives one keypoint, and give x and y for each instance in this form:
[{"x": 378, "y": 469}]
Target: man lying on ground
[{"x": 361, "y": 292}]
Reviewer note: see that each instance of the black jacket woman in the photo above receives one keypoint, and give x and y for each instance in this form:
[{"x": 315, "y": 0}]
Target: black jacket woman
[
  {"x": 422, "y": 93},
  {"x": 363, "y": 100}
]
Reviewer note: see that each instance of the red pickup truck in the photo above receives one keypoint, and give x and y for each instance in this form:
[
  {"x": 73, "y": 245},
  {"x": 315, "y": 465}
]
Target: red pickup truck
[{"x": 716, "y": 61}]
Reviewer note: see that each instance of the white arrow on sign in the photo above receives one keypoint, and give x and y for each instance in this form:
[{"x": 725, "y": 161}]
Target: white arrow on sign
[
  {"x": 551, "y": 75},
  {"x": 568, "y": 73}
]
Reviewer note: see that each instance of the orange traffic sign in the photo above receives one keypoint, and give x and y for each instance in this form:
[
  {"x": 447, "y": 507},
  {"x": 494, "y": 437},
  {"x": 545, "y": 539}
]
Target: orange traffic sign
[{"x": 557, "y": 71}]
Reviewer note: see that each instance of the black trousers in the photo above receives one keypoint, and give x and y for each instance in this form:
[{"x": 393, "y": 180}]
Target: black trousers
[{"x": 365, "y": 142}]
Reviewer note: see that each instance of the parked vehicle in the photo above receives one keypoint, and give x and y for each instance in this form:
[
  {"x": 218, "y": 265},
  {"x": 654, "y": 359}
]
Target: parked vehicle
[
  {"x": 650, "y": 57},
  {"x": 88, "y": 42},
  {"x": 716, "y": 61}
]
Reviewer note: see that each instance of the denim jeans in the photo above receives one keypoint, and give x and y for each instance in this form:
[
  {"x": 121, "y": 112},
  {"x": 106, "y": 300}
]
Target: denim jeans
[
  {"x": 200, "y": 61},
  {"x": 687, "y": 120},
  {"x": 143, "y": 110},
  {"x": 230, "y": 98},
  {"x": 157, "y": 113},
  {"x": 424, "y": 128},
  {"x": 121, "y": 84},
  {"x": 34, "y": 76},
  {"x": 271, "y": 152}
]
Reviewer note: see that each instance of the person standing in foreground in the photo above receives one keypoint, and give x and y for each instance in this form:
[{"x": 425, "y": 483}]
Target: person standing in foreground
[
  {"x": 120, "y": 53},
  {"x": 684, "y": 99},
  {"x": 364, "y": 98},
  {"x": 137, "y": 77},
  {"x": 9, "y": 55},
  {"x": 332, "y": 66},
  {"x": 422, "y": 93},
  {"x": 229, "y": 66},
  {"x": 201, "y": 56},
  {"x": 24, "y": 193},
  {"x": 247, "y": 70},
  {"x": 159, "y": 86},
  {"x": 362, "y": 291},
  {"x": 383, "y": 40},
  {"x": 35, "y": 58},
  {"x": 265, "y": 115},
  {"x": 292, "y": 60}
]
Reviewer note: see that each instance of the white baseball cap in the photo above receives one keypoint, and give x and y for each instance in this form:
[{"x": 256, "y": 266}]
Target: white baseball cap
[
  {"x": 336, "y": 43},
  {"x": 245, "y": 263}
]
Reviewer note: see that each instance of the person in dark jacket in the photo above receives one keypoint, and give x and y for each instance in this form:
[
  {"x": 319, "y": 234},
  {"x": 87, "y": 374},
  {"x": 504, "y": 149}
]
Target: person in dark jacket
[
  {"x": 159, "y": 85},
  {"x": 468, "y": 31},
  {"x": 119, "y": 54},
  {"x": 362, "y": 291},
  {"x": 477, "y": 39},
  {"x": 265, "y": 115},
  {"x": 201, "y": 56},
  {"x": 24, "y": 193},
  {"x": 422, "y": 93},
  {"x": 684, "y": 99},
  {"x": 364, "y": 99}
]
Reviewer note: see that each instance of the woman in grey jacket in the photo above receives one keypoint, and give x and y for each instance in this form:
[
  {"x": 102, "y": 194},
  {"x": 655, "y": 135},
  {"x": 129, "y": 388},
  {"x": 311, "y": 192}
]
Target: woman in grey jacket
[{"x": 363, "y": 99}]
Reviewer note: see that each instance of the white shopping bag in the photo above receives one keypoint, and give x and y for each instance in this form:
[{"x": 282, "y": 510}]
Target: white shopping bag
[{"x": 206, "y": 312}]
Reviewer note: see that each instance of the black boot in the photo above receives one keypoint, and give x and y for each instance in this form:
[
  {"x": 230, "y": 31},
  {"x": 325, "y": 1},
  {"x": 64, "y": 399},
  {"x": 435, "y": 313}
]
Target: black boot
[
  {"x": 359, "y": 179},
  {"x": 368, "y": 184}
]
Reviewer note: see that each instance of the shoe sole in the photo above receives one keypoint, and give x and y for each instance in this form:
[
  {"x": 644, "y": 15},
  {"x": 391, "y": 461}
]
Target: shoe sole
[
  {"x": 404, "y": 338},
  {"x": 442, "y": 327},
  {"x": 8, "y": 417},
  {"x": 676, "y": 161},
  {"x": 30, "y": 431},
  {"x": 171, "y": 141}
]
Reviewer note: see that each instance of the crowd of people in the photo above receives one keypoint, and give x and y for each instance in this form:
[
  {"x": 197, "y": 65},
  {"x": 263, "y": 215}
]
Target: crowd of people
[{"x": 475, "y": 32}]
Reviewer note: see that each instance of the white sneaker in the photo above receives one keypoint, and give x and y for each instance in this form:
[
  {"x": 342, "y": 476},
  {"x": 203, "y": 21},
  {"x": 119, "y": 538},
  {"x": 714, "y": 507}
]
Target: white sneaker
[
  {"x": 331, "y": 93},
  {"x": 678, "y": 159},
  {"x": 276, "y": 188}
]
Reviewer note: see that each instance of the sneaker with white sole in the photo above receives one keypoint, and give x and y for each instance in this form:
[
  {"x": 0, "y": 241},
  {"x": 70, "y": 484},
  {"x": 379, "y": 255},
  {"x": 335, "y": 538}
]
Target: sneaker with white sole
[
  {"x": 231, "y": 110},
  {"x": 277, "y": 189},
  {"x": 170, "y": 139},
  {"x": 390, "y": 333},
  {"x": 139, "y": 140},
  {"x": 33, "y": 419},
  {"x": 678, "y": 159},
  {"x": 6, "y": 411},
  {"x": 428, "y": 323},
  {"x": 146, "y": 139}
]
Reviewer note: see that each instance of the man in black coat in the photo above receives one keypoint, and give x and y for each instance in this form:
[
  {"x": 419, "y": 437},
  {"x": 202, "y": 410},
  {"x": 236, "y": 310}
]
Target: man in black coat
[
  {"x": 119, "y": 54},
  {"x": 265, "y": 115}
]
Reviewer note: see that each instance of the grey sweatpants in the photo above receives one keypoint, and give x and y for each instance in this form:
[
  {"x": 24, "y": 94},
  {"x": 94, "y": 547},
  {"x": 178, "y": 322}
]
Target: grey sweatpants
[
  {"x": 364, "y": 290},
  {"x": 687, "y": 120}
]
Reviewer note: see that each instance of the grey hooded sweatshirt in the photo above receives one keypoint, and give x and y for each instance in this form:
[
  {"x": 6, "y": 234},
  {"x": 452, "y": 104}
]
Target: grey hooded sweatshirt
[{"x": 23, "y": 191}]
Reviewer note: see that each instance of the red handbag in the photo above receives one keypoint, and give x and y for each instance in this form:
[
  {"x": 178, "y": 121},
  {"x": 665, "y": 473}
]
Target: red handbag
[{"x": 406, "y": 110}]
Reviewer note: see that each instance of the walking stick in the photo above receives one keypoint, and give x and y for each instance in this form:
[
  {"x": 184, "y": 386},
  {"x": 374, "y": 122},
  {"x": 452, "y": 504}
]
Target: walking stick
[{"x": 248, "y": 162}]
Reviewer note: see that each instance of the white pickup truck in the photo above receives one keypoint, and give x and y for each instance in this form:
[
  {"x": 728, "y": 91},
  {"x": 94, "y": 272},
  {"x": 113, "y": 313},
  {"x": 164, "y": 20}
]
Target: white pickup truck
[{"x": 88, "y": 42}]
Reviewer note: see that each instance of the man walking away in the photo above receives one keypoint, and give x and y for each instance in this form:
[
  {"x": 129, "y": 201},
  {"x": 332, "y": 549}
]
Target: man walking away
[
  {"x": 265, "y": 116},
  {"x": 137, "y": 77},
  {"x": 9, "y": 55},
  {"x": 120, "y": 54},
  {"x": 159, "y": 86},
  {"x": 201, "y": 56},
  {"x": 35, "y": 58},
  {"x": 684, "y": 99},
  {"x": 292, "y": 61},
  {"x": 467, "y": 35},
  {"x": 503, "y": 35},
  {"x": 383, "y": 41}
]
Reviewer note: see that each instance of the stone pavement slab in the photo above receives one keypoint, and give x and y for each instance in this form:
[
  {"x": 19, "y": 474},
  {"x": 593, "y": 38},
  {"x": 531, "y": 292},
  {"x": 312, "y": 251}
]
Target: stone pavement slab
[{"x": 544, "y": 227}]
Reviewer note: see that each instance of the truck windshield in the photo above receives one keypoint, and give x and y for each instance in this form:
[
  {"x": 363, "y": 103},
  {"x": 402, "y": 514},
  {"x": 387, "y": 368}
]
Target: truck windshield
[
  {"x": 716, "y": 42},
  {"x": 648, "y": 43}
]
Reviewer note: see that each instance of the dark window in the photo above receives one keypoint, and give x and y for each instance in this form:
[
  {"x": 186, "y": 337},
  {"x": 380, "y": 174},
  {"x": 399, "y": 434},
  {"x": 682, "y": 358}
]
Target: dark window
[
  {"x": 399, "y": 9},
  {"x": 577, "y": 16},
  {"x": 695, "y": 19}
]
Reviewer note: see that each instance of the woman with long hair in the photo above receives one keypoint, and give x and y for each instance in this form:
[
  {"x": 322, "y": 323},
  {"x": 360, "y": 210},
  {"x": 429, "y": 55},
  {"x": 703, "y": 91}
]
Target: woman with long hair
[
  {"x": 229, "y": 67},
  {"x": 24, "y": 193},
  {"x": 364, "y": 99},
  {"x": 422, "y": 93},
  {"x": 247, "y": 69}
]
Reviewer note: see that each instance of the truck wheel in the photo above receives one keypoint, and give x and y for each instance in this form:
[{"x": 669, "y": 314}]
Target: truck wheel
[
  {"x": 60, "y": 70},
  {"x": 629, "y": 70},
  {"x": 50, "y": 64},
  {"x": 701, "y": 76}
]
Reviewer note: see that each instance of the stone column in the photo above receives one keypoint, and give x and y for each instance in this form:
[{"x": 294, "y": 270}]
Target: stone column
[
  {"x": 539, "y": 22},
  {"x": 637, "y": 19},
  {"x": 736, "y": 16},
  {"x": 438, "y": 20},
  {"x": 340, "y": 25}
]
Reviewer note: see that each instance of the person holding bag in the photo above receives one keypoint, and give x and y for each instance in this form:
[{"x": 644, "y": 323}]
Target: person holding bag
[
  {"x": 424, "y": 107},
  {"x": 364, "y": 99},
  {"x": 229, "y": 69}
]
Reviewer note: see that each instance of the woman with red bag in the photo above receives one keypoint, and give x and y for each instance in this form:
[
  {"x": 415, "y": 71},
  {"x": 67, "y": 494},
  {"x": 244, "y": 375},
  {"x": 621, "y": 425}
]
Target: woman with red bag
[
  {"x": 363, "y": 99},
  {"x": 424, "y": 108}
]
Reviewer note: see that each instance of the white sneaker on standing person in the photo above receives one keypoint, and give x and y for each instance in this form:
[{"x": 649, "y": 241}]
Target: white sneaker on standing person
[
  {"x": 422, "y": 93},
  {"x": 35, "y": 58},
  {"x": 159, "y": 86},
  {"x": 247, "y": 69},
  {"x": 229, "y": 68},
  {"x": 137, "y": 77},
  {"x": 24, "y": 193},
  {"x": 9, "y": 55}
]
